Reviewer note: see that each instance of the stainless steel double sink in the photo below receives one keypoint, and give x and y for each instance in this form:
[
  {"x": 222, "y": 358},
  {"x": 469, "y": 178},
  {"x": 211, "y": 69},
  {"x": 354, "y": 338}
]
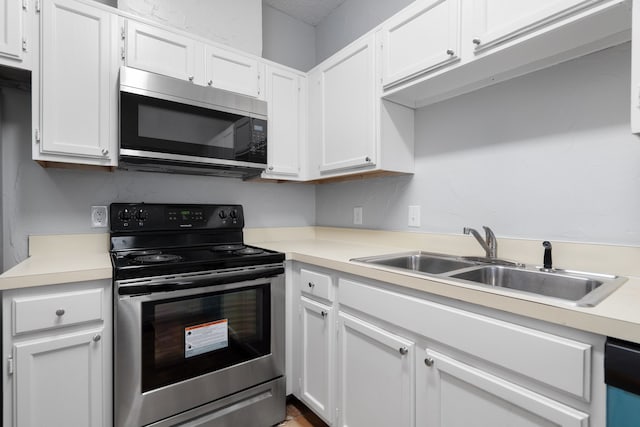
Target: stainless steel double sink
[{"x": 571, "y": 287}]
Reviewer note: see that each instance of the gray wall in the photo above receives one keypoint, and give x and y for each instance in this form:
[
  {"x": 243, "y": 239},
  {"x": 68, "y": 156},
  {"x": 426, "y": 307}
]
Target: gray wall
[
  {"x": 545, "y": 156},
  {"x": 57, "y": 201},
  {"x": 349, "y": 21},
  {"x": 286, "y": 40}
]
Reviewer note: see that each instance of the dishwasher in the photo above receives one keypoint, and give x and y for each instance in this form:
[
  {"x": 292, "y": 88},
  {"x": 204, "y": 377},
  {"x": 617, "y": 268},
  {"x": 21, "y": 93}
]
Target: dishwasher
[{"x": 622, "y": 375}]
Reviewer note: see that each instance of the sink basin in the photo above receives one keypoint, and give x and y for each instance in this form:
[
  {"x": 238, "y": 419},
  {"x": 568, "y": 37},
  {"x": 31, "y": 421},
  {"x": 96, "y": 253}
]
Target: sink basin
[
  {"x": 421, "y": 262},
  {"x": 583, "y": 289}
]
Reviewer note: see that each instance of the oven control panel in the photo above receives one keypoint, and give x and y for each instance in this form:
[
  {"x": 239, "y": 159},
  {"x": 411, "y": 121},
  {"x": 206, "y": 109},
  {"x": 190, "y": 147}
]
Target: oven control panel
[{"x": 157, "y": 217}]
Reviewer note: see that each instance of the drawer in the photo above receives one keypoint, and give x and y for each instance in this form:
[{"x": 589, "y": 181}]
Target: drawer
[
  {"x": 316, "y": 284},
  {"x": 56, "y": 310}
]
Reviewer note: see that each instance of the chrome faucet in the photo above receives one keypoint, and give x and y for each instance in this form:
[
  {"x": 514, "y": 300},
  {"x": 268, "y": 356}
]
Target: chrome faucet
[{"x": 489, "y": 244}]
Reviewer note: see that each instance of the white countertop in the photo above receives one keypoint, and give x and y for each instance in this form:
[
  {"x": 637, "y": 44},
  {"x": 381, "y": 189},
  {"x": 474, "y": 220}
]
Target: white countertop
[{"x": 617, "y": 316}]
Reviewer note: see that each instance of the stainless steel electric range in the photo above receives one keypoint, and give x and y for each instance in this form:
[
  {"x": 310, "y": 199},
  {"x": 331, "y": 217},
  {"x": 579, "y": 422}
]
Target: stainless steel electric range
[{"x": 199, "y": 319}]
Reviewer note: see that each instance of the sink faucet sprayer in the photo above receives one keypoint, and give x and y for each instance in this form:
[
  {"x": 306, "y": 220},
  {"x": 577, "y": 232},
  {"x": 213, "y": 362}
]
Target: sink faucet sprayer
[{"x": 490, "y": 244}]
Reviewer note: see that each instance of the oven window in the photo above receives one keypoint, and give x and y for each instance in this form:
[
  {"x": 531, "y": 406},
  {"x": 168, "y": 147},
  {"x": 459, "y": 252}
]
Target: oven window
[{"x": 190, "y": 336}]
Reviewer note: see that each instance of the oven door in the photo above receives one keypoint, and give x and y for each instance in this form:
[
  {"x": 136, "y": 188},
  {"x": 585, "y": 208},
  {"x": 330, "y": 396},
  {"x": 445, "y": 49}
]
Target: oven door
[{"x": 182, "y": 348}]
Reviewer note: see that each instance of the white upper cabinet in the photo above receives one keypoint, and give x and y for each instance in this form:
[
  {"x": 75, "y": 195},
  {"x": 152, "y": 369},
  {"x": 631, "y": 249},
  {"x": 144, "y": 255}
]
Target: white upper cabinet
[
  {"x": 497, "y": 40},
  {"x": 286, "y": 105},
  {"x": 420, "y": 38},
  {"x": 497, "y": 21},
  {"x": 160, "y": 51},
  {"x": 76, "y": 92},
  {"x": 232, "y": 71},
  {"x": 12, "y": 33},
  {"x": 347, "y": 102}
]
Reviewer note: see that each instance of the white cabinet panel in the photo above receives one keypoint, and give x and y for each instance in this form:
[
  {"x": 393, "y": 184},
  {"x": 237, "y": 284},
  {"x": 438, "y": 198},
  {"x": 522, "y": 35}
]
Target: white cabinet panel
[
  {"x": 348, "y": 110},
  {"x": 159, "y": 51},
  {"x": 11, "y": 29},
  {"x": 58, "y": 381},
  {"x": 316, "y": 373},
  {"x": 376, "y": 380},
  {"x": 78, "y": 99},
  {"x": 286, "y": 121},
  {"x": 454, "y": 394},
  {"x": 497, "y": 21},
  {"x": 232, "y": 71},
  {"x": 56, "y": 310},
  {"x": 420, "y": 38}
]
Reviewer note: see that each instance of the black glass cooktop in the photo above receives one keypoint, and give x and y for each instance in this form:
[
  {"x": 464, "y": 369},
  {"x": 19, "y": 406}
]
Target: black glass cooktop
[{"x": 162, "y": 261}]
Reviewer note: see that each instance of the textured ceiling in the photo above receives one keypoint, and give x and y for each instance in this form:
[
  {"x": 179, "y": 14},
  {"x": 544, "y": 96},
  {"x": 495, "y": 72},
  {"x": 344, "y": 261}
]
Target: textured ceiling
[{"x": 309, "y": 11}]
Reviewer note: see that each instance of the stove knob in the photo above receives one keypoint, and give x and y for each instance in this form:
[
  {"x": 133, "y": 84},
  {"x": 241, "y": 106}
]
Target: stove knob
[
  {"x": 124, "y": 215},
  {"x": 233, "y": 214},
  {"x": 141, "y": 215},
  {"x": 222, "y": 214}
]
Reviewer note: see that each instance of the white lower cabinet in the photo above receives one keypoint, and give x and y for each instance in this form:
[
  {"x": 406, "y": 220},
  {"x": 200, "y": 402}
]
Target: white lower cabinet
[
  {"x": 57, "y": 344},
  {"x": 375, "y": 376},
  {"x": 445, "y": 385},
  {"x": 316, "y": 322},
  {"x": 405, "y": 358},
  {"x": 58, "y": 380}
]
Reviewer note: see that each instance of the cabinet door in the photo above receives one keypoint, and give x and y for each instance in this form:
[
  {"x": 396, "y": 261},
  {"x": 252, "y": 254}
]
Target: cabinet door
[
  {"x": 419, "y": 39},
  {"x": 231, "y": 71},
  {"x": 454, "y": 394},
  {"x": 376, "y": 376},
  {"x": 59, "y": 381},
  {"x": 159, "y": 51},
  {"x": 11, "y": 24},
  {"x": 497, "y": 21},
  {"x": 285, "y": 104},
  {"x": 348, "y": 108},
  {"x": 77, "y": 94},
  {"x": 316, "y": 370}
]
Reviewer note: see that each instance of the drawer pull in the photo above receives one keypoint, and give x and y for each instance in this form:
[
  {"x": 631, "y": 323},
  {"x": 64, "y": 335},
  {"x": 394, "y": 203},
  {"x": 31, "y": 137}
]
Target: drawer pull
[
  {"x": 403, "y": 350},
  {"x": 323, "y": 314},
  {"x": 428, "y": 361},
  {"x": 97, "y": 337},
  {"x": 60, "y": 312},
  {"x": 312, "y": 285}
]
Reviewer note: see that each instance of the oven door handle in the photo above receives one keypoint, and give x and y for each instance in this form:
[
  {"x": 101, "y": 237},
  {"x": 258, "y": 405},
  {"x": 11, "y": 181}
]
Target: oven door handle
[{"x": 213, "y": 280}]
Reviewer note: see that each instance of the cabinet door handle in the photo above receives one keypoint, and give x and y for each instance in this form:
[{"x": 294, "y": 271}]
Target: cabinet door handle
[
  {"x": 60, "y": 312},
  {"x": 403, "y": 350},
  {"x": 312, "y": 285},
  {"x": 450, "y": 52},
  {"x": 428, "y": 361},
  {"x": 270, "y": 168},
  {"x": 97, "y": 337},
  {"x": 105, "y": 151},
  {"x": 323, "y": 314},
  {"x": 367, "y": 159},
  {"x": 476, "y": 41},
  {"x": 210, "y": 82},
  {"x": 191, "y": 79}
]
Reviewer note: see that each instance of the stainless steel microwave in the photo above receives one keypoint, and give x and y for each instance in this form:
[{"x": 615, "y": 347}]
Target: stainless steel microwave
[{"x": 171, "y": 125}]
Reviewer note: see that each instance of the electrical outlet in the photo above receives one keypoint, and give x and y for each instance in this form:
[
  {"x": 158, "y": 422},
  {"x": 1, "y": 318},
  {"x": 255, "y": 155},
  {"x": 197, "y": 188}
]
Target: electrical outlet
[
  {"x": 99, "y": 217},
  {"x": 357, "y": 215},
  {"x": 414, "y": 216}
]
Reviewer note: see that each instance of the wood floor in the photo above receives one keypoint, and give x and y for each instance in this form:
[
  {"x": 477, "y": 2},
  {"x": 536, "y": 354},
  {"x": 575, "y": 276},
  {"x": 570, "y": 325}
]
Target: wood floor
[{"x": 298, "y": 415}]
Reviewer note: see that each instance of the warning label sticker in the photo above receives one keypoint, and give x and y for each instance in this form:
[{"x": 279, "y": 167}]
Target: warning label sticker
[{"x": 206, "y": 337}]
